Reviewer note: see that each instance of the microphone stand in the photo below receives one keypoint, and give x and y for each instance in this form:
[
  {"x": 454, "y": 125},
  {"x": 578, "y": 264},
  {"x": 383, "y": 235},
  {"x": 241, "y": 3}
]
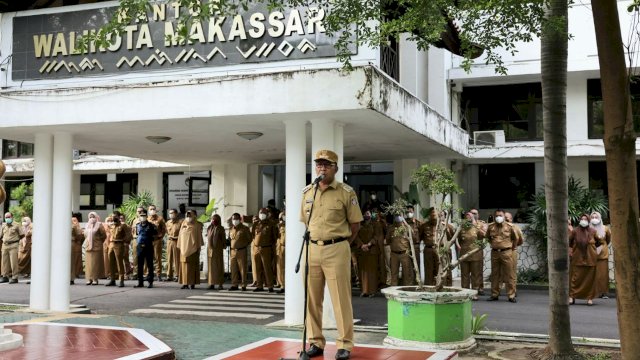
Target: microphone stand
[{"x": 305, "y": 241}]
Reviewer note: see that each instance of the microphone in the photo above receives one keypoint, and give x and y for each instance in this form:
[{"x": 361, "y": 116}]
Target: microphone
[{"x": 318, "y": 179}]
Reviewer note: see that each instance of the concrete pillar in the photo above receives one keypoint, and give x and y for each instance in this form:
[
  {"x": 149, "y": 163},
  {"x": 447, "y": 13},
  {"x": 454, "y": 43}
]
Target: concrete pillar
[
  {"x": 151, "y": 180},
  {"x": 338, "y": 147},
  {"x": 42, "y": 193},
  {"x": 59, "y": 292},
  {"x": 295, "y": 181}
]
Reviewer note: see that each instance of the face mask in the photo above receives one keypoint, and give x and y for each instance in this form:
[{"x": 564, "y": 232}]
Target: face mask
[
  {"x": 189, "y": 219},
  {"x": 172, "y": 216},
  {"x": 109, "y": 223},
  {"x": 499, "y": 219},
  {"x": 476, "y": 216},
  {"x": 584, "y": 223},
  {"x": 410, "y": 215},
  {"x": 373, "y": 197},
  {"x": 262, "y": 216},
  {"x": 92, "y": 221},
  {"x": 24, "y": 223},
  {"x": 8, "y": 220},
  {"x": 152, "y": 212},
  {"x": 142, "y": 218},
  {"x": 398, "y": 219},
  {"x": 595, "y": 221},
  {"x": 235, "y": 222}
]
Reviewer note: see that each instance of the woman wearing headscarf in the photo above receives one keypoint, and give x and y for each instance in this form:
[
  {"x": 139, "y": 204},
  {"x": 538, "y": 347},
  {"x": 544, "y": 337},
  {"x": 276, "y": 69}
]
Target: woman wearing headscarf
[
  {"x": 189, "y": 242},
  {"x": 24, "y": 251},
  {"x": 370, "y": 248},
  {"x": 582, "y": 250},
  {"x": 216, "y": 240},
  {"x": 77, "y": 237},
  {"x": 105, "y": 247},
  {"x": 94, "y": 237},
  {"x": 603, "y": 239}
]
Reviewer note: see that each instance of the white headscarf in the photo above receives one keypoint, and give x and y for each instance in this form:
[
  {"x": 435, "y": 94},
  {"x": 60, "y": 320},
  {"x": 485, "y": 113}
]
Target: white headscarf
[{"x": 600, "y": 229}]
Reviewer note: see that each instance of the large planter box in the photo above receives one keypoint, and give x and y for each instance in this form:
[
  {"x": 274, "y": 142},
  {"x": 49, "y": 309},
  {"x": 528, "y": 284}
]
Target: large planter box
[{"x": 429, "y": 320}]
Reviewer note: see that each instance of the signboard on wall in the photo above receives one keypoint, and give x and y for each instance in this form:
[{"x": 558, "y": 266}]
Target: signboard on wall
[
  {"x": 192, "y": 190},
  {"x": 44, "y": 46}
]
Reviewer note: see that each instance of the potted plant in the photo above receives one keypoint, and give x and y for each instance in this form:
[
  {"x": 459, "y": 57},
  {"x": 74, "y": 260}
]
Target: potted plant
[{"x": 432, "y": 316}]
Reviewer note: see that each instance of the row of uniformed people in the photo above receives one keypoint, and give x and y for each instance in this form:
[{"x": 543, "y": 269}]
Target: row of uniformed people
[{"x": 15, "y": 248}]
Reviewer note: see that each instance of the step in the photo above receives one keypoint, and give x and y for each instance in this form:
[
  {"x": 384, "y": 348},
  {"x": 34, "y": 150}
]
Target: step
[{"x": 9, "y": 340}]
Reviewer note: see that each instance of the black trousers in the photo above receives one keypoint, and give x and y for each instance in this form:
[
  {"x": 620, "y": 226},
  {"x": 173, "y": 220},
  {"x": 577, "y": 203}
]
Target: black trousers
[{"x": 145, "y": 254}]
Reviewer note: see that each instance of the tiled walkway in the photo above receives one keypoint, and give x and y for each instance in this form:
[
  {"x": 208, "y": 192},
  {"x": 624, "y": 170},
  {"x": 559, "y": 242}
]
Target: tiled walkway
[
  {"x": 274, "y": 348},
  {"x": 69, "y": 342}
]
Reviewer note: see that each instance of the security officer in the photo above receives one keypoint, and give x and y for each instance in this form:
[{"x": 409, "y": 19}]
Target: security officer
[
  {"x": 240, "y": 239},
  {"x": 265, "y": 236},
  {"x": 159, "y": 222},
  {"x": 147, "y": 234},
  {"x": 471, "y": 267},
  {"x": 333, "y": 225},
  {"x": 503, "y": 240},
  {"x": 280, "y": 251},
  {"x": 173, "y": 253},
  {"x": 10, "y": 235},
  {"x": 398, "y": 239}
]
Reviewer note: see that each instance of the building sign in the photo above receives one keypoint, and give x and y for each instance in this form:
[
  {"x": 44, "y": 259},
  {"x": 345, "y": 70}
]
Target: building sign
[{"x": 44, "y": 46}]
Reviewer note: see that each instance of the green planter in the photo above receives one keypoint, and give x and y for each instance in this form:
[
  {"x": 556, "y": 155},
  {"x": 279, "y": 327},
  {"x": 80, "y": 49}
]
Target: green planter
[{"x": 429, "y": 320}]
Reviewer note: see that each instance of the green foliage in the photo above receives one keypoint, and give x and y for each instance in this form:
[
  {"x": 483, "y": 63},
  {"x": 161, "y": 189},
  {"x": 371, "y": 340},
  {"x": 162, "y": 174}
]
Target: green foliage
[
  {"x": 397, "y": 208},
  {"x": 436, "y": 179},
  {"x": 478, "y": 323},
  {"x": 533, "y": 276},
  {"x": 211, "y": 208},
  {"x": 24, "y": 195},
  {"x": 128, "y": 207}
]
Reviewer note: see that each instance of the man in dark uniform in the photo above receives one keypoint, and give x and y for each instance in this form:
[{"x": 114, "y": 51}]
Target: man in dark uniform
[
  {"x": 147, "y": 233},
  {"x": 333, "y": 225}
]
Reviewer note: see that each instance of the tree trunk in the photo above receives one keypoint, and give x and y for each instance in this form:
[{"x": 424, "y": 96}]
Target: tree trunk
[
  {"x": 554, "y": 44},
  {"x": 620, "y": 150}
]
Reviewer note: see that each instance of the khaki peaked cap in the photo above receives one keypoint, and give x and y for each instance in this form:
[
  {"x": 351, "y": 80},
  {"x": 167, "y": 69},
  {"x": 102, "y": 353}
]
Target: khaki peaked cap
[{"x": 326, "y": 155}]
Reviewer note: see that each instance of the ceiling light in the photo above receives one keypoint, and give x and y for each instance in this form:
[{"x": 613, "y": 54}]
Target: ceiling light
[
  {"x": 249, "y": 135},
  {"x": 158, "y": 139}
]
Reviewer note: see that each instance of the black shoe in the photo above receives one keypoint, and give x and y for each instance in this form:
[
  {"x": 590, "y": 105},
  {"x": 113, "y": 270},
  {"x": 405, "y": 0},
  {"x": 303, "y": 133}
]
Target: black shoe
[
  {"x": 150, "y": 286},
  {"x": 270, "y": 290},
  {"x": 111, "y": 283},
  {"x": 493, "y": 298},
  {"x": 481, "y": 292},
  {"x": 233, "y": 288},
  {"x": 13, "y": 281},
  {"x": 281, "y": 291},
  {"x": 4, "y": 280},
  {"x": 513, "y": 300},
  {"x": 71, "y": 282},
  {"x": 211, "y": 287},
  {"x": 258, "y": 290},
  {"x": 193, "y": 287},
  {"x": 314, "y": 351},
  {"x": 244, "y": 288},
  {"x": 139, "y": 285},
  {"x": 220, "y": 287},
  {"x": 89, "y": 283},
  {"x": 121, "y": 283},
  {"x": 184, "y": 287},
  {"x": 343, "y": 354}
]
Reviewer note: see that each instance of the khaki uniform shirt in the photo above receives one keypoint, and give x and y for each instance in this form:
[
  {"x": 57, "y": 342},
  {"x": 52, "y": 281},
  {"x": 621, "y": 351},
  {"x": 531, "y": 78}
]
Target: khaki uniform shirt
[
  {"x": 120, "y": 233},
  {"x": 282, "y": 235},
  {"x": 77, "y": 237},
  {"x": 334, "y": 209},
  {"x": 604, "y": 242},
  {"x": 467, "y": 241},
  {"x": 264, "y": 233},
  {"x": 240, "y": 237},
  {"x": 415, "y": 228},
  {"x": 173, "y": 228},
  {"x": 427, "y": 233},
  {"x": 11, "y": 233},
  {"x": 519, "y": 234},
  {"x": 160, "y": 224},
  {"x": 502, "y": 236},
  {"x": 398, "y": 240}
]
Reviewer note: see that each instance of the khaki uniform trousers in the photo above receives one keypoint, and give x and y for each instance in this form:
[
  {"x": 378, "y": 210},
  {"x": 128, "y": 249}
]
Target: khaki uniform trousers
[
  {"x": 407, "y": 268},
  {"x": 471, "y": 275},
  {"x": 126, "y": 251},
  {"x": 502, "y": 272},
  {"x": 76, "y": 263},
  {"x": 263, "y": 258},
  {"x": 117, "y": 252},
  {"x": 157, "y": 256},
  {"x": 173, "y": 259},
  {"x": 330, "y": 264},
  {"x": 238, "y": 263},
  {"x": 387, "y": 265},
  {"x": 280, "y": 265},
  {"x": 431, "y": 264},
  {"x": 515, "y": 264},
  {"x": 254, "y": 272},
  {"x": 355, "y": 273},
  {"x": 10, "y": 260}
]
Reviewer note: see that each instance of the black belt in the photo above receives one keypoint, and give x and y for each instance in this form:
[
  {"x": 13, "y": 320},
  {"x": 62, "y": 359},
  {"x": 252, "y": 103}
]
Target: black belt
[
  {"x": 399, "y": 252},
  {"x": 261, "y": 247},
  {"x": 240, "y": 248},
  {"x": 172, "y": 238},
  {"x": 328, "y": 242},
  {"x": 11, "y": 242},
  {"x": 501, "y": 250},
  {"x": 429, "y": 246}
]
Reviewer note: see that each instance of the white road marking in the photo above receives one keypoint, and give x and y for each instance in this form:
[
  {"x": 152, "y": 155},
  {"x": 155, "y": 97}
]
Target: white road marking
[
  {"x": 275, "y": 301},
  {"x": 220, "y": 308},
  {"x": 216, "y": 302},
  {"x": 201, "y": 313}
]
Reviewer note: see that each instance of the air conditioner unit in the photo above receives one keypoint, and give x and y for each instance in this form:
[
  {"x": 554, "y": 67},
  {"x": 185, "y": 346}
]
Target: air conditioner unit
[{"x": 488, "y": 138}]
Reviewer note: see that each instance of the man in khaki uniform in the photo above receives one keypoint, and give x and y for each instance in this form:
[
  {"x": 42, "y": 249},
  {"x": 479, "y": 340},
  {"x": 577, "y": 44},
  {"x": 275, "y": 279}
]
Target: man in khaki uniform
[
  {"x": 415, "y": 227},
  {"x": 10, "y": 234},
  {"x": 159, "y": 222},
  {"x": 333, "y": 225},
  {"x": 265, "y": 236},
  {"x": 509, "y": 218},
  {"x": 120, "y": 237},
  {"x": 240, "y": 239},
  {"x": 471, "y": 267},
  {"x": 280, "y": 251},
  {"x": 398, "y": 239},
  {"x": 503, "y": 240},
  {"x": 173, "y": 253},
  {"x": 430, "y": 253}
]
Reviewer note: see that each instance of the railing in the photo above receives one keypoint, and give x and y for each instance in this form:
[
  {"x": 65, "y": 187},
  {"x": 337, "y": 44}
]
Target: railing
[{"x": 390, "y": 60}]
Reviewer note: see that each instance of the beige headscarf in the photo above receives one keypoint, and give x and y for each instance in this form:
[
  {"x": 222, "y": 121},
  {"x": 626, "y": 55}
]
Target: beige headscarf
[
  {"x": 190, "y": 238},
  {"x": 91, "y": 230}
]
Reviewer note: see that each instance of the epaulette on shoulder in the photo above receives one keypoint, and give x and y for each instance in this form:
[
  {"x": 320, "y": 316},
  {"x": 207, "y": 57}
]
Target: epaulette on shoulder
[
  {"x": 347, "y": 187},
  {"x": 307, "y": 188}
]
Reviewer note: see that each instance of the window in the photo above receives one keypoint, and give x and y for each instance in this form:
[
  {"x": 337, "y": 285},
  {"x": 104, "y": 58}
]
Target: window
[
  {"x": 16, "y": 149},
  {"x": 506, "y": 186},
  {"x": 595, "y": 110},
  {"x": 598, "y": 177},
  {"x": 516, "y": 109},
  {"x": 92, "y": 192}
]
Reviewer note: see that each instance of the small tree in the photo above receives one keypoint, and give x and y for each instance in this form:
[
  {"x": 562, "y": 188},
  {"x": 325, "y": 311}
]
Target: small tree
[
  {"x": 24, "y": 195},
  {"x": 129, "y": 206},
  {"x": 210, "y": 210}
]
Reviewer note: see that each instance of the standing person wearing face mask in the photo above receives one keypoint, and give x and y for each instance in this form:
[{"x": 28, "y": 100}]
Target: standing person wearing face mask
[
  {"x": 603, "y": 239},
  {"x": 257, "y": 281},
  {"x": 265, "y": 236},
  {"x": 120, "y": 237},
  {"x": 503, "y": 240},
  {"x": 379, "y": 233},
  {"x": 127, "y": 243},
  {"x": 240, "y": 239},
  {"x": 369, "y": 255},
  {"x": 509, "y": 218},
  {"x": 583, "y": 253},
  {"x": 415, "y": 228},
  {"x": 173, "y": 253},
  {"x": 398, "y": 239},
  {"x": 216, "y": 243},
  {"x": 427, "y": 233},
  {"x": 108, "y": 221},
  {"x": 24, "y": 251},
  {"x": 147, "y": 234},
  {"x": 189, "y": 242},
  {"x": 471, "y": 267},
  {"x": 280, "y": 252},
  {"x": 372, "y": 202},
  {"x": 10, "y": 235},
  {"x": 134, "y": 237},
  {"x": 161, "y": 228},
  {"x": 77, "y": 238},
  {"x": 94, "y": 236}
]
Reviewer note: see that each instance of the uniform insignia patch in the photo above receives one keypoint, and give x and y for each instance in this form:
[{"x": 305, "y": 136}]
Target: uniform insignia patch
[{"x": 354, "y": 201}]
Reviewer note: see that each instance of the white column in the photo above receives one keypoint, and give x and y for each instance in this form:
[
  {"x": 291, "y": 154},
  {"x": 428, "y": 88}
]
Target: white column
[
  {"x": 61, "y": 228},
  {"x": 40, "y": 253},
  {"x": 295, "y": 181},
  {"x": 338, "y": 147}
]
